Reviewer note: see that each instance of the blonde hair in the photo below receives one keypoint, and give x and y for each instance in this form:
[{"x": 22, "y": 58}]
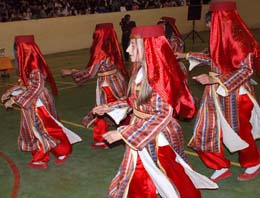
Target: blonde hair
[{"x": 146, "y": 89}]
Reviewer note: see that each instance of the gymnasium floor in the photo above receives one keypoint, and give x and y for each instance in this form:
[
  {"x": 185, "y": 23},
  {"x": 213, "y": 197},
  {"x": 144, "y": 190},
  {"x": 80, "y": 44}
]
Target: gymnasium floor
[{"x": 88, "y": 172}]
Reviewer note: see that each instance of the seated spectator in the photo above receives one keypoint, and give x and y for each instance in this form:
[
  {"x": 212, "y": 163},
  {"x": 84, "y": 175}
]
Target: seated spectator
[
  {"x": 150, "y": 4},
  {"x": 135, "y": 5},
  {"x": 14, "y": 10}
]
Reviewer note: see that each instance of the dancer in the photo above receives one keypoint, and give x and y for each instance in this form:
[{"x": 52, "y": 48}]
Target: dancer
[
  {"x": 229, "y": 112},
  {"x": 154, "y": 159},
  {"x": 107, "y": 63},
  {"x": 172, "y": 34},
  {"x": 40, "y": 131}
]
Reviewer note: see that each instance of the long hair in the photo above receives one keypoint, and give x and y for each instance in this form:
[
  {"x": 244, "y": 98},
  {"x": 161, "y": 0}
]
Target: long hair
[
  {"x": 146, "y": 89},
  {"x": 168, "y": 29}
]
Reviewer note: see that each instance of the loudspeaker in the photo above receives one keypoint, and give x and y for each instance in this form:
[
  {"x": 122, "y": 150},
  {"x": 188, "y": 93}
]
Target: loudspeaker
[
  {"x": 194, "y": 12},
  {"x": 195, "y": 2}
]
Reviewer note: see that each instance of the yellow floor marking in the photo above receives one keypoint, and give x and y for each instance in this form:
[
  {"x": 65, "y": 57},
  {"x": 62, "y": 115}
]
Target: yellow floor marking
[{"x": 81, "y": 126}]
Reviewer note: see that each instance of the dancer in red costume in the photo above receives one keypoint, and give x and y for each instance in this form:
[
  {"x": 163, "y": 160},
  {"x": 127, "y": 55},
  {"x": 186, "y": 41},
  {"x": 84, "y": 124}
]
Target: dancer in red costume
[
  {"x": 229, "y": 112},
  {"x": 40, "y": 130},
  {"x": 154, "y": 160},
  {"x": 172, "y": 34},
  {"x": 106, "y": 62}
]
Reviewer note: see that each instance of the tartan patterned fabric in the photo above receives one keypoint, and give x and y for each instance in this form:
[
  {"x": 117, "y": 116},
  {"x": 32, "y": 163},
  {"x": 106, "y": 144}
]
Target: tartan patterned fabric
[
  {"x": 207, "y": 131},
  {"x": 116, "y": 81},
  {"x": 234, "y": 80},
  {"x": 142, "y": 132},
  {"x": 27, "y": 140},
  {"x": 176, "y": 43},
  {"x": 200, "y": 57}
]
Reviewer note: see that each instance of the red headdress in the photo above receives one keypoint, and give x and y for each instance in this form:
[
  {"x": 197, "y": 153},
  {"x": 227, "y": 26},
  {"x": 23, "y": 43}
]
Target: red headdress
[
  {"x": 230, "y": 39},
  {"x": 105, "y": 45},
  {"x": 29, "y": 57},
  {"x": 172, "y": 21},
  {"x": 164, "y": 73}
]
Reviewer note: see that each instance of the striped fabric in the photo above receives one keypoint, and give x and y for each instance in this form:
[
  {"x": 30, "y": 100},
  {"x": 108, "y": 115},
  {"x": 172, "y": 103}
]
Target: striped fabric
[
  {"x": 29, "y": 118},
  {"x": 142, "y": 133},
  {"x": 200, "y": 57},
  {"x": 176, "y": 43},
  {"x": 115, "y": 81},
  {"x": 207, "y": 130}
]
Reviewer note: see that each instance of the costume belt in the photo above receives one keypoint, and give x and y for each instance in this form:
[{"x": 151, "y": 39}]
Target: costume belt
[
  {"x": 107, "y": 73},
  {"x": 140, "y": 114}
]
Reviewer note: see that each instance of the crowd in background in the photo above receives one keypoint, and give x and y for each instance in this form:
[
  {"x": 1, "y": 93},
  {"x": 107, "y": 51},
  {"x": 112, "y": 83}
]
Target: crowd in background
[{"x": 15, "y": 10}]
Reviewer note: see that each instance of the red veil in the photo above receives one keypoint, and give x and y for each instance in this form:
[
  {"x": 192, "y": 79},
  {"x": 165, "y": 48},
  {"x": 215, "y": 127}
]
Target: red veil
[
  {"x": 230, "y": 39},
  {"x": 105, "y": 45},
  {"x": 29, "y": 57},
  {"x": 164, "y": 73}
]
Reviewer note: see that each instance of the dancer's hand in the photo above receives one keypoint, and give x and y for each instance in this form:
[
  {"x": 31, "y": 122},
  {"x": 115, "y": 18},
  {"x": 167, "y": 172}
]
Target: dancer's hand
[
  {"x": 205, "y": 79},
  {"x": 180, "y": 55},
  {"x": 9, "y": 104},
  {"x": 66, "y": 72},
  {"x": 5, "y": 97},
  {"x": 101, "y": 109},
  {"x": 74, "y": 70},
  {"x": 112, "y": 136}
]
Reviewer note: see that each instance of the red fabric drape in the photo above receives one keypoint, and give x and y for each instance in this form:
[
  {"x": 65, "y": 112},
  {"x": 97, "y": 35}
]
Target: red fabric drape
[
  {"x": 105, "y": 45},
  {"x": 29, "y": 57},
  {"x": 166, "y": 77},
  {"x": 230, "y": 39}
]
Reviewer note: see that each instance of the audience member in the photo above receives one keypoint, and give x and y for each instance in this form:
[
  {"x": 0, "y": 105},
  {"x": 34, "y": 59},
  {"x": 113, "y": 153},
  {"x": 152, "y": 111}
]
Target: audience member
[{"x": 14, "y": 10}]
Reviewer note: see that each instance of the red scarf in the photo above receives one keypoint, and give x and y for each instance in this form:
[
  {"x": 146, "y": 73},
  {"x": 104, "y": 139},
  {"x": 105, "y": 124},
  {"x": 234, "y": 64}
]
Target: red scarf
[
  {"x": 230, "y": 39},
  {"x": 164, "y": 73},
  {"x": 105, "y": 45},
  {"x": 29, "y": 57}
]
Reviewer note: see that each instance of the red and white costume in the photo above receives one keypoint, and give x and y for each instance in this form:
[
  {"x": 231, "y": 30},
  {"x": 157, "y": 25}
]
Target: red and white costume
[
  {"x": 229, "y": 112},
  {"x": 154, "y": 160},
  {"x": 173, "y": 36},
  {"x": 106, "y": 63},
  {"x": 40, "y": 129},
  {"x": 176, "y": 41}
]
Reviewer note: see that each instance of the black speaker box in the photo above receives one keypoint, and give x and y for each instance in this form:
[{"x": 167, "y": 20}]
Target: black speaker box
[
  {"x": 195, "y": 2},
  {"x": 194, "y": 12}
]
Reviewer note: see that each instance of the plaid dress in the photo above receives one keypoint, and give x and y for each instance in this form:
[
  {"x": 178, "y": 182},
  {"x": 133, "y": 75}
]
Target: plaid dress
[
  {"x": 207, "y": 130},
  {"x": 28, "y": 140},
  {"x": 107, "y": 76},
  {"x": 142, "y": 133}
]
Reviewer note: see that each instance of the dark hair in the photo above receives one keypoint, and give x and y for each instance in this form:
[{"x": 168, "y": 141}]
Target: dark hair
[
  {"x": 208, "y": 16},
  {"x": 127, "y": 17},
  {"x": 168, "y": 29}
]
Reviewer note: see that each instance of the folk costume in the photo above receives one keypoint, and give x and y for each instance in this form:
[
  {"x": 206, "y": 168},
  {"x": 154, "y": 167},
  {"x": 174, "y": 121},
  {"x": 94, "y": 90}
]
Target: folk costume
[
  {"x": 154, "y": 159},
  {"x": 172, "y": 34},
  {"x": 40, "y": 129},
  {"x": 107, "y": 63},
  {"x": 174, "y": 37},
  {"x": 229, "y": 112}
]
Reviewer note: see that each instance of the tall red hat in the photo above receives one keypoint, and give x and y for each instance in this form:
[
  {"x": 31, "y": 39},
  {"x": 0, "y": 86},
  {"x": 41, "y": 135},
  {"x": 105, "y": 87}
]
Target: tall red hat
[
  {"x": 24, "y": 39},
  {"x": 163, "y": 70},
  {"x": 29, "y": 57},
  {"x": 104, "y": 25},
  {"x": 105, "y": 45},
  {"x": 230, "y": 39}
]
